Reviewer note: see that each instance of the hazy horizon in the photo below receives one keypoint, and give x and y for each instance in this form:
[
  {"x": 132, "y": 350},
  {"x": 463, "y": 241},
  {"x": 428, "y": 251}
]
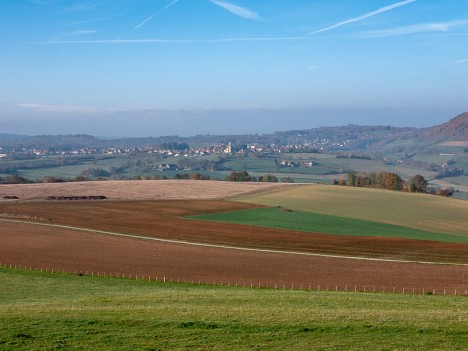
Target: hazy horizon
[
  {"x": 186, "y": 123},
  {"x": 186, "y": 67}
]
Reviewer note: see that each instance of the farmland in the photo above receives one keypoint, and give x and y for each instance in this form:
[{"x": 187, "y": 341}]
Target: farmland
[
  {"x": 163, "y": 219},
  {"x": 305, "y": 167},
  {"x": 418, "y": 211},
  {"x": 68, "y": 249},
  {"x": 144, "y": 230},
  {"x": 317, "y": 155},
  {"x": 314, "y": 222},
  {"x": 135, "y": 190}
]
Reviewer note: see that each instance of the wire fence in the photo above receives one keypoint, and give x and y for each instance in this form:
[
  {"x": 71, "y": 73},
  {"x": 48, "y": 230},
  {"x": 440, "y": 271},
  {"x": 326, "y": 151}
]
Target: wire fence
[{"x": 252, "y": 285}]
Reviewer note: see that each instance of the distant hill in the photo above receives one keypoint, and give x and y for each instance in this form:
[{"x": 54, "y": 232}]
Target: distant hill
[
  {"x": 65, "y": 142},
  {"x": 350, "y": 138},
  {"x": 4, "y": 136},
  {"x": 455, "y": 129}
]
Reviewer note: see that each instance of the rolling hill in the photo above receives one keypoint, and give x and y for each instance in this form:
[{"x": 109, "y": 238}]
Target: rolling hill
[
  {"x": 340, "y": 138},
  {"x": 455, "y": 129}
]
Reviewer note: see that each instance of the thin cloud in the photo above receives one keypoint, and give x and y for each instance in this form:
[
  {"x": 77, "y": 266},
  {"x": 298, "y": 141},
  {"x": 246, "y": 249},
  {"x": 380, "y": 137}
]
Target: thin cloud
[
  {"x": 457, "y": 34},
  {"x": 414, "y": 29},
  {"x": 458, "y": 62},
  {"x": 78, "y": 32},
  {"x": 93, "y": 20},
  {"x": 237, "y": 10},
  {"x": 83, "y": 7},
  {"x": 366, "y": 15},
  {"x": 156, "y": 13},
  {"x": 66, "y": 108},
  {"x": 170, "y": 41}
]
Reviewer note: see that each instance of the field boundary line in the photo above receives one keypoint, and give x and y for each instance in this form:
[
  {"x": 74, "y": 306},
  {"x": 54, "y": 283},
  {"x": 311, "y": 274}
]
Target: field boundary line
[
  {"x": 229, "y": 247},
  {"x": 282, "y": 186}
]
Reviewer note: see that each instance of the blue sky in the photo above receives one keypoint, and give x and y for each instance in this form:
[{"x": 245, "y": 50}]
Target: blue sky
[{"x": 160, "y": 67}]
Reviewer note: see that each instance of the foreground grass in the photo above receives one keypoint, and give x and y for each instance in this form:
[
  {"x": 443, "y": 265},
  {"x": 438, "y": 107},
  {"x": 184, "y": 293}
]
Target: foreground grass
[
  {"x": 321, "y": 223},
  {"x": 44, "y": 311},
  {"x": 419, "y": 211}
]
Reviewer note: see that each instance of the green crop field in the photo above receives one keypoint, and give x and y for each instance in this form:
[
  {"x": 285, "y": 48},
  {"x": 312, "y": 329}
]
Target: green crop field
[
  {"x": 321, "y": 223},
  {"x": 65, "y": 172},
  {"x": 44, "y": 311},
  {"x": 418, "y": 211},
  {"x": 68, "y": 171},
  {"x": 326, "y": 165},
  {"x": 250, "y": 164},
  {"x": 323, "y": 164}
]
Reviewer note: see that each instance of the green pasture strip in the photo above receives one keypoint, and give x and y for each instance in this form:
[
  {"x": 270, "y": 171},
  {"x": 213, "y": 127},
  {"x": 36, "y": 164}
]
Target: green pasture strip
[
  {"x": 44, "y": 311},
  {"x": 418, "y": 211},
  {"x": 320, "y": 223}
]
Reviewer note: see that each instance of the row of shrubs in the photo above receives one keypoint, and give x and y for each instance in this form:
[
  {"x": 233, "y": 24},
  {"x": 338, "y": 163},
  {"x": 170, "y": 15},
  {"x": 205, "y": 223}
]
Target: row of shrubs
[
  {"x": 240, "y": 176},
  {"x": 243, "y": 176},
  {"x": 91, "y": 197}
]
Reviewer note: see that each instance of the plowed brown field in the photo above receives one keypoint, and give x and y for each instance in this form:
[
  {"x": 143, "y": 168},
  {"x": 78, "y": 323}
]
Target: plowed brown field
[
  {"x": 64, "y": 249},
  {"x": 39, "y": 246},
  {"x": 163, "y": 219}
]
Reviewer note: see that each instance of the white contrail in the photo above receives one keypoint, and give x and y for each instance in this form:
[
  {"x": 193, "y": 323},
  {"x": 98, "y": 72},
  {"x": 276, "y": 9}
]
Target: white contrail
[
  {"x": 414, "y": 29},
  {"x": 172, "y": 3},
  {"x": 78, "y": 32},
  {"x": 156, "y": 13},
  {"x": 366, "y": 15},
  {"x": 146, "y": 20},
  {"x": 455, "y": 62},
  {"x": 237, "y": 10},
  {"x": 172, "y": 41}
]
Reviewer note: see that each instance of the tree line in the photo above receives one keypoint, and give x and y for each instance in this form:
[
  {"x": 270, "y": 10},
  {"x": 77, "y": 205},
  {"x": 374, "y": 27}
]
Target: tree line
[
  {"x": 92, "y": 174},
  {"x": 243, "y": 176},
  {"x": 392, "y": 181}
]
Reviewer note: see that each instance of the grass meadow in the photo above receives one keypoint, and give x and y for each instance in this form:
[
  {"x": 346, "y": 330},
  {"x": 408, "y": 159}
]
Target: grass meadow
[
  {"x": 322, "y": 223},
  {"x": 45, "y": 311},
  {"x": 418, "y": 211},
  {"x": 326, "y": 167}
]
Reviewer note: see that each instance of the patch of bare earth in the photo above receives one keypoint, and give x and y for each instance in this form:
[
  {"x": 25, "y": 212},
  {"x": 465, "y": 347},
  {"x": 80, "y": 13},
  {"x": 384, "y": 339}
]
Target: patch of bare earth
[
  {"x": 51, "y": 247},
  {"x": 63, "y": 249},
  {"x": 137, "y": 189},
  {"x": 163, "y": 219},
  {"x": 455, "y": 143}
]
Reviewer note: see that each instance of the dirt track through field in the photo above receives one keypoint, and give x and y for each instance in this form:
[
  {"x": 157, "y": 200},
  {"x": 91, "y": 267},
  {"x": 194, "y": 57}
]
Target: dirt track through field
[{"x": 66, "y": 249}]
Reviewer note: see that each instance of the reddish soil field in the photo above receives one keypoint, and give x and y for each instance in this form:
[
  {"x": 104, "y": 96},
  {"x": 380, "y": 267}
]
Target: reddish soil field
[
  {"x": 64, "y": 249},
  {"x": 162, "y": 219}
]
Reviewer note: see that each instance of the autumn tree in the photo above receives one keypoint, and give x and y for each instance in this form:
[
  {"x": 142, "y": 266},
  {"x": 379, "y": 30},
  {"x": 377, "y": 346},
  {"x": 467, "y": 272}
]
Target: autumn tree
[
  {"x": 268, "y": 178},
  {"x": 16, "y": 179},
  {"x": 352, "y": 179},
  {"x": 417, "y": 184},
  {"x": 382, "y": 180},
  {"x": 241, "y": 176}
]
